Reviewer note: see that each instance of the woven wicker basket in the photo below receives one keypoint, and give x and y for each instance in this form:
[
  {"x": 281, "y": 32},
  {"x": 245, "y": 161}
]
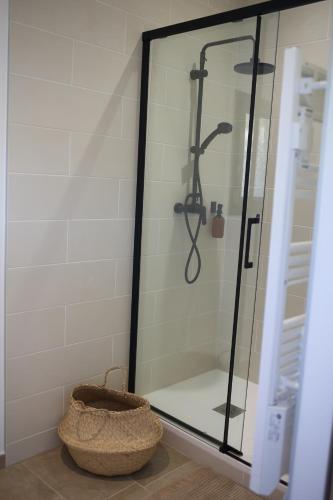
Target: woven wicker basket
[{"x": 109, "y": 432}]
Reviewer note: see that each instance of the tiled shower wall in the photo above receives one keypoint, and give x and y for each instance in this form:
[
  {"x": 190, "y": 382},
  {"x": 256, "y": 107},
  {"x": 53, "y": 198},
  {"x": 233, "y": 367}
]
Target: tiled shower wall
[{"x": 74, "y": 87}]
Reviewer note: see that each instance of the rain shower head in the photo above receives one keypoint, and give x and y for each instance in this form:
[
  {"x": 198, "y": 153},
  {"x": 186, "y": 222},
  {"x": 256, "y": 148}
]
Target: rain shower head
[{"x": 246, "y": 68}]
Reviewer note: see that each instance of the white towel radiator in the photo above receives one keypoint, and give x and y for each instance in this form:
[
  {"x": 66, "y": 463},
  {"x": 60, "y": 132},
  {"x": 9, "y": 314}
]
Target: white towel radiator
[{"x": 282, "y": 353}]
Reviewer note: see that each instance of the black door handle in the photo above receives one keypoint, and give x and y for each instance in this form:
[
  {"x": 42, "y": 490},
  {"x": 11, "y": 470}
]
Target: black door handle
[{"x": 251, "y": 220}]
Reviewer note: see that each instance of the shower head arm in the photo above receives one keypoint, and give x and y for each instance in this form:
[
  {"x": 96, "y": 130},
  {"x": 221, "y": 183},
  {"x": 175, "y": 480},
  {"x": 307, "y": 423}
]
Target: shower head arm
[{"x": 222, "y": 42}]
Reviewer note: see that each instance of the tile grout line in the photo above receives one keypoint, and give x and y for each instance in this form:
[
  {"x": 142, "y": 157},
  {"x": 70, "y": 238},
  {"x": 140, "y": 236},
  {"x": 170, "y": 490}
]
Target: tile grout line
[
  {"x": 61, "y": 306},
  {"x": 123, "y": 490},
  {"x": 43, "y": 481},
  {"x": 67, "y": 37},
  {"x": 71, "y": 80},
  {"x": 163, "y": 476},
  {"x": 94, "y": 300},
  {"x": 81, "y": 342},
  {"x": 74, "y": 86},
  {"x": 57, "y": 387},
  {"x": 35, "y": 433}
]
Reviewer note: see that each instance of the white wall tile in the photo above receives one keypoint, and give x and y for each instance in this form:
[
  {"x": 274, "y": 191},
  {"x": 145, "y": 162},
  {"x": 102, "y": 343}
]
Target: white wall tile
[
  {"x": 127, "y": 199},
  {"x": 159, "y": 340},
  {"x": 157, "y": 86},
  {"x": 183, "y": 10},
  {"x": 97, "y": 319},
  {"x": 184, "y": 302},
  {"x": 120, "y": 351},
  {"x": 143, "y": 382},
  {"x": 147, "y": 309},
  {"x": 178, "y": 91},
  {"x": 36, "y": 243},
  {"x": 61, "y": 106},
  {"x": 168, "y": 370},
  {"x": 232, "y": 233},
  {"x": 101, "y": 156},
  {"x": 171, "y": 304},
  {"x": 149, "y": 9},
  {"x": 247, "y": 300},
  {"x": 101, "y": 69},
  {"x": 220, "y": 5},
  {"x": 154, "y": 161},
  {"x": 149, "y": 237},
  {"x": 223, "y": 101},
  {"x": 34, "y": 331},
  {"x": 160, "y": 198},
  {"x": 203, "y": 329},
  {"x": 124, "y": 277},
  {"x": 172, "y": 237},
  {"x": 49, "y": 286},
  {"x": 159, "y": 129},
  {"x": 36, "y": 150},
  {"x": 25, "y": 448},
  {"x": 96, "y": 240},
  {"x": 81, "y": 19},
  {"x": 54, "y": 197},
  {"x": 34, "y": 414},
  {"x": 77, "y": 362},
  {"x": 303, "y": 26},
  {"x": 134, "y": 29},
  {"x": 130, "y": 118},
  {"x": 39, "y": 54},
  {"x": 177, "y": 165},
  {"x": 161, "y": 271}
]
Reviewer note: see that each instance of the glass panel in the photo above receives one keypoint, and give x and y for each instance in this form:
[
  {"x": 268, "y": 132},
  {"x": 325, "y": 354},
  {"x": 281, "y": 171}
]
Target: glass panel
[
  {"x": 185, "y": 329},
  {"x": 251, "y": 294}
]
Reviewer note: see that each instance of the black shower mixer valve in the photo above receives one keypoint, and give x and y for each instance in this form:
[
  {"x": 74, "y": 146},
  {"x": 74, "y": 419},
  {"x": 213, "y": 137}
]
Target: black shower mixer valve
[{"x": 192, "y": 208}]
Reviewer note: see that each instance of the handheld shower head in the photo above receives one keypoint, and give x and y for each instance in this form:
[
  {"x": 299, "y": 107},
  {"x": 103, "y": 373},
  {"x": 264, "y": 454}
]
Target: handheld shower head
[{"x": 246, "y": 68}]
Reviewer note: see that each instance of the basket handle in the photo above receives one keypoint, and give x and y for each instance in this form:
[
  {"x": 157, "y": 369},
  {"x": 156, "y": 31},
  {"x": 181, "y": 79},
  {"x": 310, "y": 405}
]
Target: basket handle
[{"x": 124, "y": 371}]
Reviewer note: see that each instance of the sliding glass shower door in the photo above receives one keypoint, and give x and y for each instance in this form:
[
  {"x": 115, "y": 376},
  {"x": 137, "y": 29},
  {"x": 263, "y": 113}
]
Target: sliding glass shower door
[{"x": 201, "y": 215}]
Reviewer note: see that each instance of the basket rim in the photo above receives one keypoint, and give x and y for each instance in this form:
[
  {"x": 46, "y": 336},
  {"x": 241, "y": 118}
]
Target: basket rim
[{"x": 81, "y": 406}]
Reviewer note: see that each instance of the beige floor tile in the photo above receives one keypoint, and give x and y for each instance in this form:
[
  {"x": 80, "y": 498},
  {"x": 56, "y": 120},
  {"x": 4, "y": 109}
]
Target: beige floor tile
[
  {"x": 18, "y": 483},
  {"x": 170, "y": 475},
  {"x": 135, "y": 492},
  {"x": 165, "y": 460},
  {"x": 195, "y": 481},
  {"x": 175, "y": 475},
  {"x": 58, "y": 470}
]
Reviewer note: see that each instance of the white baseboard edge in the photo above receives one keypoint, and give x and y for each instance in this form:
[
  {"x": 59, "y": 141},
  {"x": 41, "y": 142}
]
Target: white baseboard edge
[{"x": 209, "y": 455}]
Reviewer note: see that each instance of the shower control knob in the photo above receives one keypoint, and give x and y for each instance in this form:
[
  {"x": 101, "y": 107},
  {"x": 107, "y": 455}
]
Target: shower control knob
[{"x": 178, "y": 208}]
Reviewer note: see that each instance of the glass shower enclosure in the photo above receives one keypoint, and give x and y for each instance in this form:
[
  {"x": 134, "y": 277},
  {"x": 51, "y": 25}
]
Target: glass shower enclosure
[{"x": 206, "y": 101}]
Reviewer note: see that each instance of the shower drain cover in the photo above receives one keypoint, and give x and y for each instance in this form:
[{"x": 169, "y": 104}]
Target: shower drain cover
[{"x": 234, "y": 410}]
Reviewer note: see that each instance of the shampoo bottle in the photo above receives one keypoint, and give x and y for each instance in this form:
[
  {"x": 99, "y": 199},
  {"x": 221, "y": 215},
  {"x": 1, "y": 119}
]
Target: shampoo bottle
[{"x": 218, "y": 223}]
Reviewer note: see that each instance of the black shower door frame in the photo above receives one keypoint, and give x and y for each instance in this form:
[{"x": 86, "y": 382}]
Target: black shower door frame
[{"x": 217, "y": 19}]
